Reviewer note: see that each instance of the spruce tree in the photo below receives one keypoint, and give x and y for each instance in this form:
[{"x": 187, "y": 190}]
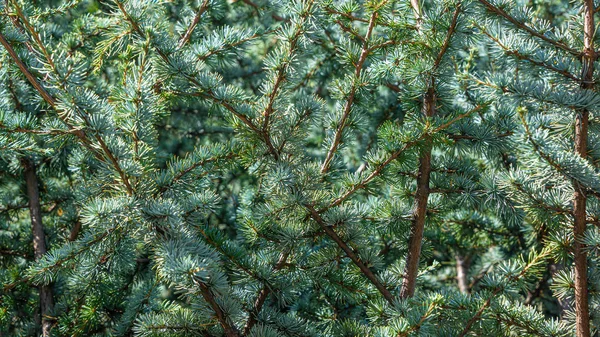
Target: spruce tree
[{"x": 298, "y": 168}]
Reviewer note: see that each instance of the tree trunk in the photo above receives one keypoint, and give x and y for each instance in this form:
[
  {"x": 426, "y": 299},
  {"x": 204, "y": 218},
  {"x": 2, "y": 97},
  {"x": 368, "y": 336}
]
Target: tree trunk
[
  {"x": 39, "y": 241},
  {"x": 462, "y": 273},
  {"x": 411, "y": 268},
  {"x": 582, "y": 321}
]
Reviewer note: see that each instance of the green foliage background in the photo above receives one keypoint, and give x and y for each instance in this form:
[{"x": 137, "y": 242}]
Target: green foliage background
[{"x": 188, "y": 142}]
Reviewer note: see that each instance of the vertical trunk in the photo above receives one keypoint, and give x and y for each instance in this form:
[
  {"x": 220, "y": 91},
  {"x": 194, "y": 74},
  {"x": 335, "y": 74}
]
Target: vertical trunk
[
  {"x": 579, "y": 197},
  {"x": 462, "y": 272},
  {"x": 39, "y": 241},
  {"x": 411, "y": 268}
]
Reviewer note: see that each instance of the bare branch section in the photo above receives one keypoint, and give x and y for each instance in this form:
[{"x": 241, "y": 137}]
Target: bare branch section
[
  {"x": 39, "y": 242},
  {"x": 462, "y": 272}
]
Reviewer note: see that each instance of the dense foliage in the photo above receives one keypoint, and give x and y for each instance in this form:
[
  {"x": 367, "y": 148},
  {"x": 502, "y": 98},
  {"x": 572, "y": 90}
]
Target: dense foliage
[{"x": 299, "y": 168}]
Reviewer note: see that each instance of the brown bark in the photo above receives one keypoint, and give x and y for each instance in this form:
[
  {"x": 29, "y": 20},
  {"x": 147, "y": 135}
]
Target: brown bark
[
  {"x": 262, "y": 297},
  {"x": 230, "y": 329},
  {"x": 411, "y": 269},
  {"x": 352, "y": 254},
  {"x": 39, "y": 242},
  {"x": 462, "y": 273},
  {"x": 75, "y": 231},
  {"x": 582, "y": 321}
]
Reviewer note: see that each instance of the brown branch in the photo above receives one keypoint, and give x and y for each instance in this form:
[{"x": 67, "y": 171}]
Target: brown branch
[
  {"x": 393, "y": 156},
  {"x": 521, "y": 56},
  {"x": 34, "y": 34},
  {"x": 280, "y": 77},
  {"x": 209, "y": 94},
  {"x": 446, "y": 44},
  {"x": 230, "y": 330},
  {"x": 39, "y": 241},
  {"x": 262, "y": 297},
  {"x": 346, "y": 15},
  {"x": 422, "y": 320},
  {"x": 75, "y": 231},
  {"x": 192, "y": 167},
  {"x": 462, "y": 272},
  {"x": 351, "y": 254},
  {"x": 479, "y": 312},
  {"x": 60, "y": 262},
  {"x": 188, "y": 33},
  {"x": 498, "y": 289},
  {"x": 357, "y": 71},
  {"x": 502, "y": 13},
  {"x": 52, "y": 102}
]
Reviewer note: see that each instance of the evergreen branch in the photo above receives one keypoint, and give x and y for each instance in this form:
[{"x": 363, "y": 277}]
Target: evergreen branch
[
  {"x": 522, "y": 26},
  {"x": 379, "y": 169},
  {"x": 349, "y": 16},
  {"x": 34, "y": 34},
  {"x": 280, "y": 77},
  {"x": 58, "y": 10},
  {"x": 512, "y": 322},
  {"x": 311, "y": 72},
  {"x": 446, "y": 43},
  {"x": 188, "y": 33},
  {"x": 262, "y": 296},
  {"x": 521, "y": 56},
  {"x": 230, "y": 257},
  {"x": 230, "y": 330},
  {"x": 194, "y": 166},
  {"x": 498, "y": 289},
  {"x": 479, "y": 312},
  {"x": 351, "y": 31},
  {"x": 62, "y": 261},
  {"x": 540, "y": 202},
  {"x": 416, "y": 327},
  {"x": 353, "y": 255},
  {"x": 9, "y": 252},
  {"x": 50, "y": 100},
  {"x": 422, "y": 192},
  {"x": 209, "y": 94},
  {"x": 36, "y": 85},
  {"x": 73, "y": 131},
  {"x": 231, "y": 45},
  {"x": 357, "y": 72}
]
